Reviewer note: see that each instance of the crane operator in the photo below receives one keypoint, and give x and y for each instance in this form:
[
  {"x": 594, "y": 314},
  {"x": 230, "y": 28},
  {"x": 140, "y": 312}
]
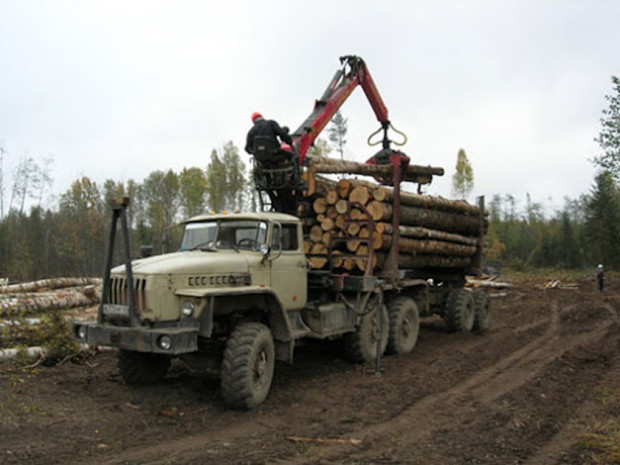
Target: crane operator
[{"x": 269, "y": 130}]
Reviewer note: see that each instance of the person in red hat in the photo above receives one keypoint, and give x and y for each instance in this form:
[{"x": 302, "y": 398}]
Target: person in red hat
[{"x": 271, "y": 133}]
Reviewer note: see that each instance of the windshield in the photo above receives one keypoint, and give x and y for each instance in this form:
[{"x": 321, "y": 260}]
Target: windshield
[{"x": 225, "y": 234}]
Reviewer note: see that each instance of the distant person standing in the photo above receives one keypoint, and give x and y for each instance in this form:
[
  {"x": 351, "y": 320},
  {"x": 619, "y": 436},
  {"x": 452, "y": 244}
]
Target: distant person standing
[{"x": 600, "y": 277}]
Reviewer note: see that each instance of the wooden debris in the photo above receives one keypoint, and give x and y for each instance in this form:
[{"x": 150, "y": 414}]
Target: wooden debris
[
  {"x": 355, "y": 442},
  {"x": 471, "y": 282}
]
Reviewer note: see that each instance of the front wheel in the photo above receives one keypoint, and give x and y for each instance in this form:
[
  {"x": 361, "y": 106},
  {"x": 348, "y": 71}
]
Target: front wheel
[{"x": 248, "y": 366}]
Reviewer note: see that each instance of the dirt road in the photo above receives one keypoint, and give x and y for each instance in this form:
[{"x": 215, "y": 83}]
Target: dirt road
[{"x": 525, "y": 392}]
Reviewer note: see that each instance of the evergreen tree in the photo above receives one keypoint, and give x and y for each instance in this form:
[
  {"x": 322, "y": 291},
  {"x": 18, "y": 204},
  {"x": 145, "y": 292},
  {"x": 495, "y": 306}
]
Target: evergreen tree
[
  {"x": 603, "y": 220},
  {"x": 609, "y": 137}
]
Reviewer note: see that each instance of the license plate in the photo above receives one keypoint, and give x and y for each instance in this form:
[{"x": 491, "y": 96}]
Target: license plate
[{"x": 115, "y": 310}]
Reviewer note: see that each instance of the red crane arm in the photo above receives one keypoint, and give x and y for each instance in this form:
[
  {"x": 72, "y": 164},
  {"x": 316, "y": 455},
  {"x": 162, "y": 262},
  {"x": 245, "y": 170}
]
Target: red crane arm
[{"x": 343, "y": 83}]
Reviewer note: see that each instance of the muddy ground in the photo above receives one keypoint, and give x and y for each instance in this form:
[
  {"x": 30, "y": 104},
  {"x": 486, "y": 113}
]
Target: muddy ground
[{"x": 541, "y": 387}]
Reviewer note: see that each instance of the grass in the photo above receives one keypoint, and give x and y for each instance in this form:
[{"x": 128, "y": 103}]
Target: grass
[
  {"x": 53, "y": 334},
  {"x": 603, "y": 443}
]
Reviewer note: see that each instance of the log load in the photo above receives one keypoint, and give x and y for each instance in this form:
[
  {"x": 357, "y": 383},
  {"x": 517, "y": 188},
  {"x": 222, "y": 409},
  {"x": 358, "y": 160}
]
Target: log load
[{"x": 354, "y": 218}]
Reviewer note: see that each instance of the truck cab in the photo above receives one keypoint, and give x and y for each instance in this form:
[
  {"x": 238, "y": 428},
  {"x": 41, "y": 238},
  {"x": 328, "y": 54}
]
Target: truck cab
[{"x": 235, "y": 277}]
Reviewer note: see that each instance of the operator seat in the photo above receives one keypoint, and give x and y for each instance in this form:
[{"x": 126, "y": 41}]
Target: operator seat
[{"x": 265, "y": 149}]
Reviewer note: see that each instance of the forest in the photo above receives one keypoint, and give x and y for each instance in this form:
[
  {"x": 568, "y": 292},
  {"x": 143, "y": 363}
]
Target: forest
[{"x": 70, "y": 239}]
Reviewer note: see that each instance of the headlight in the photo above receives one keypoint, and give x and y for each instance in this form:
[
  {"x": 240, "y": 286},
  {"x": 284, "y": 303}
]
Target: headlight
[
  {"x": 164, "y": 342},
  {"x": 188, "y": 307},
  {"x": 81, "y": 331}
]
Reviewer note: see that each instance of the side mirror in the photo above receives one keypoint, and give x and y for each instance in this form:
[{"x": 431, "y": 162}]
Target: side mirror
[{"x": 146, "y": 251}]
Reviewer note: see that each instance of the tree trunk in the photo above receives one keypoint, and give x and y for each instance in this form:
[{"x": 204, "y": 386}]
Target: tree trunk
[
  {"x": 53, "y": 283},
  {"x": 319, "y": 205},
  {"x": 327, "y": 224},
  {"x": 408, "y": 246},
  {"x": 341, "y": 206},
  {"x": 359, "y": 194},
  {"x": 363, "y": 255},
  {"x": 61, "y": 299},
  {"x": 414, "y": 173},
  {"x": 318, "y": 256},
  {"x": 343, "y": 187},
  {"x": 315, "y": 233},
  {"x": 332, "y": 196},
  {"x": 412, "y": 216},
  {"x": 424, "y": 233},
  {"x": 425, "y": 261}
]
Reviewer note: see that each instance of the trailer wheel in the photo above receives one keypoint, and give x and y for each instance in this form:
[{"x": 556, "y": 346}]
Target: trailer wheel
[
  {"x": 360, "y": 346},
  {"x": 142, "y": 367},
  {"x": 460, "y": 311},
  {"x": 482, "y": 320},
  {"x": 248, "y": 366},
  {"x": 404, "y": 325}
]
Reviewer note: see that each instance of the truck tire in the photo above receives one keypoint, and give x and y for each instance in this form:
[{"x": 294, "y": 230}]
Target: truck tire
[
  {"x": 142, "y": 367},
  {"x": 460, "y": 311},
  {"x": 404, "y": 325},
  {"x": 248, "y": 366},
  {"x": 360, "y": 346},
  {"x": 482, "y": 321}
]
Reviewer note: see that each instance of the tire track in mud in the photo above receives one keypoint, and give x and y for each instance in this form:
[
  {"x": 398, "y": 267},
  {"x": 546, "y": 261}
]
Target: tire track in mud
[
  {"x": 195, "y": 446},
  {"x": 548, "y": 454},
  {"x": 459, "y": 403}
]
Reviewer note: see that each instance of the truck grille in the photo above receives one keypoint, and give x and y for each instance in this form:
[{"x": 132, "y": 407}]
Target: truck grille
[{"x": 119, "y": 292}]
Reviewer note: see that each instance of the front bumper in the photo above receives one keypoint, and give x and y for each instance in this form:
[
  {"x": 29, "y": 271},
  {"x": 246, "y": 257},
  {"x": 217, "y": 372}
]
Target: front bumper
[{"x": 171, "y": 340}]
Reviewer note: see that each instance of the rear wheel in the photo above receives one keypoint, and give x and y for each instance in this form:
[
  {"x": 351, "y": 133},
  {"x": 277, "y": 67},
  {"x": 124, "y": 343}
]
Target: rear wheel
[
  {"x": 361, "y": 345},
  {"x": 482, "y": 320},
  {"x": 142, "y": 367},
  {"x": 404, "y": 325},
  {"x": 248, "y": 366},
  {"x": 460, "y": 311}
]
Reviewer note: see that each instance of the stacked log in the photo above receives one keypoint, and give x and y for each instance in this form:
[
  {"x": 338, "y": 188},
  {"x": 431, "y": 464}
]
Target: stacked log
[{"x": 352, "y": 220}]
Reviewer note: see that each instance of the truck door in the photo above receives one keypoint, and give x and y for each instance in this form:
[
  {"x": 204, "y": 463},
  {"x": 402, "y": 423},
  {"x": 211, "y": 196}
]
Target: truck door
[{"x": 289, "y": 269}]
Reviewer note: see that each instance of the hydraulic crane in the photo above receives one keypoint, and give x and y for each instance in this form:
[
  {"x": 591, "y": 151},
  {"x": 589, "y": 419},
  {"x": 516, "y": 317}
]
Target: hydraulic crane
[
  {"x": 283, "y": 183},
  {"x": 353, "y": 73}
]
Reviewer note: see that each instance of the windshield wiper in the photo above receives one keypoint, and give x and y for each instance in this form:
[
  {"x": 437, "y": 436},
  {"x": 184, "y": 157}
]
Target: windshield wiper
[{"x": 206, "y": 246}]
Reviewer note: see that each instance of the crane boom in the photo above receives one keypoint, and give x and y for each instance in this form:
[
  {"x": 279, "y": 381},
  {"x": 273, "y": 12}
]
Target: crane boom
[{"x": 344, "y": 82}]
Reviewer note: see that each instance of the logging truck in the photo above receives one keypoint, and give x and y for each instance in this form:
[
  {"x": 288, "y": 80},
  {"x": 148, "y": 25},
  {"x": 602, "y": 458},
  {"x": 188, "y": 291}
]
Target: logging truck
[{"x": 355, "y": 260}]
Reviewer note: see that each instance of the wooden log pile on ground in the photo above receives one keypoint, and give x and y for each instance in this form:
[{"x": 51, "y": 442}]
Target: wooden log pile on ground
[
  {"x": 35, "y": 316},
  {"x": 49, "y": 294},
  {"x": 352, "y": 220}
]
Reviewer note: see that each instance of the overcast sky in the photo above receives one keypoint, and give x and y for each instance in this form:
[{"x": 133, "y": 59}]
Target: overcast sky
[{"x": 118, "y": 89}]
